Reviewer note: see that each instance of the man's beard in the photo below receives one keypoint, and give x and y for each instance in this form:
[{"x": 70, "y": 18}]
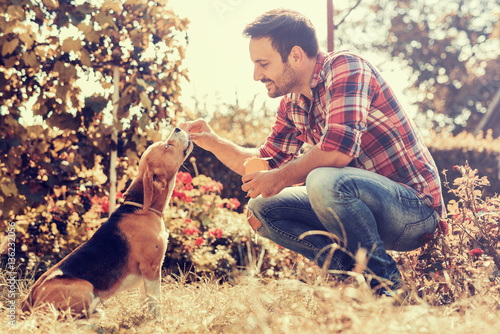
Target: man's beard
[{"x": 285, "y": 82}]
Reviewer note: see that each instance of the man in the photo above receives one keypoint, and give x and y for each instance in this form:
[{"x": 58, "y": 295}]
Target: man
[{"x": 369, "y": 179}]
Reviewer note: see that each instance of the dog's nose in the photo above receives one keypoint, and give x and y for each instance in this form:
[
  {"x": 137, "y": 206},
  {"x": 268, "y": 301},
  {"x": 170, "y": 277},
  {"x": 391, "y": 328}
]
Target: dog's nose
[{"x": 177, "y": 130}]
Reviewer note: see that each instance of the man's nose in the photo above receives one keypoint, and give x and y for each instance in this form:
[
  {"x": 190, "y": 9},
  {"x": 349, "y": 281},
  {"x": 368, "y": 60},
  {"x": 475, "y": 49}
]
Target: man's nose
[{"x": 257, "y": 74}]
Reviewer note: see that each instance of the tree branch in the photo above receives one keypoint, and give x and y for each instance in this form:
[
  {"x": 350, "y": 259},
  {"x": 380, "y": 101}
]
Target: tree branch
[{"x": 348, "y": 13}]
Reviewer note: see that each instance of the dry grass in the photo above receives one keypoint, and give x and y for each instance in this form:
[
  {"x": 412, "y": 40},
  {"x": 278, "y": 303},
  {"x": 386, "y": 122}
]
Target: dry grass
[{"x": 253, "y": 305}]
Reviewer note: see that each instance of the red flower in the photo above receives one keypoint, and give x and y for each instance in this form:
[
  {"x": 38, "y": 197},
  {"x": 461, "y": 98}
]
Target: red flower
[
  {"x": 188, "y": 221},
  {"x": 476, "y": 252},
  {"x": 105, "y": 205},
  {"x": 213, "y": 186},
  {"x": 184, "y": 181},
  {"x": 443, "y": 226},
  {"x": 182, "y": 196},
  {"x": 425, "y": 238},
  {"x": 191, "y": 231},
  {"x": 199, "y": 241},
  {"x": 233, "y": 204},
  {"x": 217, "y": 233},
  {"x": 455, "y": 167}
]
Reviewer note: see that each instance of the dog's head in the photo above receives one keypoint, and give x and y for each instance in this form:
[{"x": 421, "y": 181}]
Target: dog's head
[{"x": 159, "y": 165}]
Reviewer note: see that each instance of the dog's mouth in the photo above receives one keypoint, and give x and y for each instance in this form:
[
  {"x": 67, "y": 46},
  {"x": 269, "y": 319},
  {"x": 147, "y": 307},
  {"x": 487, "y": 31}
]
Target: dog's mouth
[{"x": 189, "y": 148}]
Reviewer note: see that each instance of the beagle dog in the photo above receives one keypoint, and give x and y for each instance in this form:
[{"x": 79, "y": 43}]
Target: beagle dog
[{"x": 127, "y": 250}]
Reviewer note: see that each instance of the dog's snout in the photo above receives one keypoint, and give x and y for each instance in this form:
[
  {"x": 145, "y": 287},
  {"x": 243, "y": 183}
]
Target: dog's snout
[{"x": 177, "y": 130}]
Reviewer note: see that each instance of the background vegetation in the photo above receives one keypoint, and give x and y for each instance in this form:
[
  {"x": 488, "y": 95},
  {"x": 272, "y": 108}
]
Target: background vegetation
[{"x": 55, "y": 172}]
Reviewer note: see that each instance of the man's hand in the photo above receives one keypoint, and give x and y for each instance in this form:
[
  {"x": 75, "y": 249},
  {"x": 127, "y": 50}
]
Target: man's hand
[
  {"x": 200, "y": 133},
  {"x": 266, "y": 183}
]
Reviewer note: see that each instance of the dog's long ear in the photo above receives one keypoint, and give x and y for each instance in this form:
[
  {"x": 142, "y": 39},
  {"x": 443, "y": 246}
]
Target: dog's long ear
[
  {"x": 153, "y": 186},
  {"x": 148, "y": 185}
]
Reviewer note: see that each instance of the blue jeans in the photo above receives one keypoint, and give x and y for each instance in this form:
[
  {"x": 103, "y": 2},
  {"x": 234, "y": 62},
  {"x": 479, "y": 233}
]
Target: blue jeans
[{"x": 363, "y": 209}]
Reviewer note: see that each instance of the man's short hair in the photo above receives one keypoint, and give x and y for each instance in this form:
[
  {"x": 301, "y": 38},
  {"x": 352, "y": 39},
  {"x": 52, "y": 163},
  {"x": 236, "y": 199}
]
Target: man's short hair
[{"x": 285, "y": 28}]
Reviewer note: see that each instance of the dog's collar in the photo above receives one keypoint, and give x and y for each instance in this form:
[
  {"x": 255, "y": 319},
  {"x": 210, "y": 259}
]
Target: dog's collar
[{"x": 159, "y": 213}]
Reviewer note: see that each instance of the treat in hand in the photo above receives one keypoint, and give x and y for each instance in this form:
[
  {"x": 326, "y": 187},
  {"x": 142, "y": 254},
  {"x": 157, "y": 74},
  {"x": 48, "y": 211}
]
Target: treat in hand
[{"x": 255, "y": 164}]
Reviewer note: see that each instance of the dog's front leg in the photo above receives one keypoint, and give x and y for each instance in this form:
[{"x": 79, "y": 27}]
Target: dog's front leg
[{"x": 153, "y": 296}]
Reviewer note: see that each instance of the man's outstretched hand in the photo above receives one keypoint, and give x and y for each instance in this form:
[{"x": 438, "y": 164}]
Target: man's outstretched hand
[{"x": 200, "y": 133}]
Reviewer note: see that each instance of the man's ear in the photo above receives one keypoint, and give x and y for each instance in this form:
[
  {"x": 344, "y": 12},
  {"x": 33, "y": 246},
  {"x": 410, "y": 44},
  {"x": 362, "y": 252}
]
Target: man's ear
[{"x": 296, "y": 55}]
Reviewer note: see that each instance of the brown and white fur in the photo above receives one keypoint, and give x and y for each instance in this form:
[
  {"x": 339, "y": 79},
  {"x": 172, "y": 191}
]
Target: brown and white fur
[{"x": 127, "y": 250}]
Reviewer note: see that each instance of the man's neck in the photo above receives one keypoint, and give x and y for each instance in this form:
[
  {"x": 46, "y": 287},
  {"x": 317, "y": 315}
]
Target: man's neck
[{"x": 307, "y": 75}]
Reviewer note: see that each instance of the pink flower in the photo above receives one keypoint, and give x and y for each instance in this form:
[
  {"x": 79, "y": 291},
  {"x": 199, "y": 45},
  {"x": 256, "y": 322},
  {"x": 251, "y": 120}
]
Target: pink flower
[
  {"x": 199, "y": 241},
  {"x": 476, "y": 252}
]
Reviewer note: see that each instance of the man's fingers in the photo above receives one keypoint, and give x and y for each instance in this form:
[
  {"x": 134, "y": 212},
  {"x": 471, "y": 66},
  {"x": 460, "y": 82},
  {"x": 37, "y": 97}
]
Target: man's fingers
[{"x": 190, "y": 125}]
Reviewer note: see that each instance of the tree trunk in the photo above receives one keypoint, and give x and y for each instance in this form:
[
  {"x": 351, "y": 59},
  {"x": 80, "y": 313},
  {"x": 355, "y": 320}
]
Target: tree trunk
[{"x": 114, "y": 141}]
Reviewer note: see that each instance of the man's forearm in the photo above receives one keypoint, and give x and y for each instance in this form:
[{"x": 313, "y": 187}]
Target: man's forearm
[
  {"x": 232, "y": 155},
  {"x": 270, "y": 183}
]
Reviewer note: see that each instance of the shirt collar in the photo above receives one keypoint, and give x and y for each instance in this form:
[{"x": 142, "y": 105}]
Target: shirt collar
[{"x": 317, "y": 77}]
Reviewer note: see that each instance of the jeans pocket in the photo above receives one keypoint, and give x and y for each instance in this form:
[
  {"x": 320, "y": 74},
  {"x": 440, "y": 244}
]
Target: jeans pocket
[{"x": 410, "y": 238}]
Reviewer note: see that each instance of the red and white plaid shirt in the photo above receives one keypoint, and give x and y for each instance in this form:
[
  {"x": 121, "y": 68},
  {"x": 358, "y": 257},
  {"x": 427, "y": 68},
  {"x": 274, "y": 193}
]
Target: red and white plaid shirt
[{"x": 354, "y": 111}]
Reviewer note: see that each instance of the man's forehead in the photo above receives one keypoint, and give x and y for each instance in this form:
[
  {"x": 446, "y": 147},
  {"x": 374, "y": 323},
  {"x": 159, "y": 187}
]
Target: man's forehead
[{"x": 261, "y": 49}]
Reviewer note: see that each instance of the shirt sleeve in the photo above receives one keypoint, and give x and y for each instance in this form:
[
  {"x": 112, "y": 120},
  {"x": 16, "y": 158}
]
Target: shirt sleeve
[
  {"x": 282, "y": 144},
  {"x": 347, "y": 89}
]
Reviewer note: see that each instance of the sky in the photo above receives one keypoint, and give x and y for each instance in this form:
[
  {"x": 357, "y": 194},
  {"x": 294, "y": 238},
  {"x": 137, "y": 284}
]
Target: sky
[{"x": 217, "y": 55}]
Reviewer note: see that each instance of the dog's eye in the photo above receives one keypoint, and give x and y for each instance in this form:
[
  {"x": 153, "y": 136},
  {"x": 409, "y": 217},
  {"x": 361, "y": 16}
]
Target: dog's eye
[
  {"x": 167, "y": 146},
  {"x": 155, "y": 177}
]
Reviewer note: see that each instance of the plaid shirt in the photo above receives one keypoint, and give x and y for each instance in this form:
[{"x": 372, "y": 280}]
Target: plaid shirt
[{"x": 354, "y": 111}]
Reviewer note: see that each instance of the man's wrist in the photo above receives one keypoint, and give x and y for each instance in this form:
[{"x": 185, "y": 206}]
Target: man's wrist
[{"x": 283, "y": 176}]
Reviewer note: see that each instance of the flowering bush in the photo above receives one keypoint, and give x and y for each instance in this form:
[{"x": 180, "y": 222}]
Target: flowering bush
[
  {"x": 208, "y": 236},
  {"x": 463, "y": 257}
]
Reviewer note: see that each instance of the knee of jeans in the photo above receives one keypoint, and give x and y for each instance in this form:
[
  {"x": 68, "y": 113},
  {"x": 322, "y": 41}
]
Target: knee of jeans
[
  {"x": 330, "y": 182},
  {"x": 318, "y": 189},
  {"x": 255, "y": 206}
]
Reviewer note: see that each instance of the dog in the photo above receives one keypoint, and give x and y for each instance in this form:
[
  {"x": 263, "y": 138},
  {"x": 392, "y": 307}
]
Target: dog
[{"x": 127, "y": 250}]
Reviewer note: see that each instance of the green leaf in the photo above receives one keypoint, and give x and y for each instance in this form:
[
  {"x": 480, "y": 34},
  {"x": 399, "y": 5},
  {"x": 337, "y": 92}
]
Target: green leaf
[
  {"x": 146, "y": 102},
  {"x": 63, "y": 120},
  {"x": 71, "y": 44},
  {"x": 9, "y": 47},
  {"x": 51, "y": 4},
  {"x": 31, "y": 60},
  {"x": 8, "y": 188}
]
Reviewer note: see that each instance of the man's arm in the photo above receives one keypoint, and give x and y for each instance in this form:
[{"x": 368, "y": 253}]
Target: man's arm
[
  {"x": 270, "y": 183},
  {"x": 227, "y": 152}
]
